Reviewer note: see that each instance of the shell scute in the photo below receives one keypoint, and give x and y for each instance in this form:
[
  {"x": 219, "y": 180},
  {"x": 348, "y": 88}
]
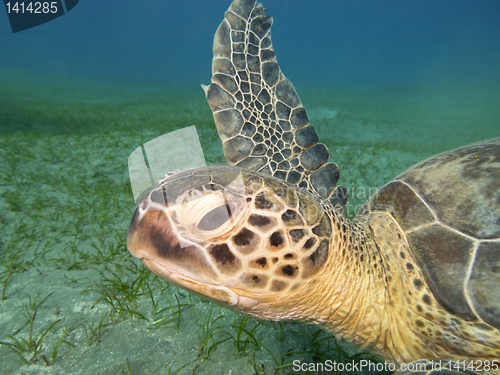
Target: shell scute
[
  {"x": 462, "y": 186},
  {"x": 484, "y": 281},
  {"x": 443, "y": 257},
  {"x": 404, "y": 204}
]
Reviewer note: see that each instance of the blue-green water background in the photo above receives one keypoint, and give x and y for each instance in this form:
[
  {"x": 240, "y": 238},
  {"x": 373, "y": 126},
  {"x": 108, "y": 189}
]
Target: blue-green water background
[{"x": 335, "y": 43}]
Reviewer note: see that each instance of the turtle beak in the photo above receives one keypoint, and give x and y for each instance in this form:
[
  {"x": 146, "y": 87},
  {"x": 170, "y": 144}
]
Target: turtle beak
[
  {"x": 148, "y": 233},
  {"x": 152, "y": 238}
]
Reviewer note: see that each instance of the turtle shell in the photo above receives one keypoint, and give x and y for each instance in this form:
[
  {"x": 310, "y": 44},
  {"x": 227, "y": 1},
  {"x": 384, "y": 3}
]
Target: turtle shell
[{"x": 449, "y": 209}]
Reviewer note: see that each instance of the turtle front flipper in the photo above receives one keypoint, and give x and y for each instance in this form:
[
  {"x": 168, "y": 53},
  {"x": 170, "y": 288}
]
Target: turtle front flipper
[{"x": 260, "y": 119}]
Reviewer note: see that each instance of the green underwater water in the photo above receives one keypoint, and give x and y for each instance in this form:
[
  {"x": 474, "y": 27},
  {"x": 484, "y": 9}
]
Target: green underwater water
[{"x": 72, "y": 299}]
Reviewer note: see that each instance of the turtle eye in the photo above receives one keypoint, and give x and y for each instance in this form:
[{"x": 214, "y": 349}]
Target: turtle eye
[{"x": 215, "y": 218}]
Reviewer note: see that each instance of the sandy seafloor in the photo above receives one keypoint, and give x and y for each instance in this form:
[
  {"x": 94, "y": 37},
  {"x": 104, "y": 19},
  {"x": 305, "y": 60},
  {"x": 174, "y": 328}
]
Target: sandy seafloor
[{"x": 66, "y": 203}]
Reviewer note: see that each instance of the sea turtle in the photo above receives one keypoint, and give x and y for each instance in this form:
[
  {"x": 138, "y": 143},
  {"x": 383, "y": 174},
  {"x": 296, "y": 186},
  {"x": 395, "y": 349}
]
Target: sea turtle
[{"x": 415, "y": 276}]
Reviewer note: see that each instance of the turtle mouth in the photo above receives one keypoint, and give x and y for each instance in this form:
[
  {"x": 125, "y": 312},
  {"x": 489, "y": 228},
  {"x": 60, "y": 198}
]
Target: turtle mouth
[
  {"x": 151, "y": 238},
  {"x": 217, "y": 293}
]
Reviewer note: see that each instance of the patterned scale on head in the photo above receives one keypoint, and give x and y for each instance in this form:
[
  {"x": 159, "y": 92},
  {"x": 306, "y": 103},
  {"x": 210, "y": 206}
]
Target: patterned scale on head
[{"x": 415, "y": 276}]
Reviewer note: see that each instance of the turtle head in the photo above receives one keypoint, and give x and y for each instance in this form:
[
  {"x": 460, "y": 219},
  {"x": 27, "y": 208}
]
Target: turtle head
[{"x": 234, "y": 236}]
